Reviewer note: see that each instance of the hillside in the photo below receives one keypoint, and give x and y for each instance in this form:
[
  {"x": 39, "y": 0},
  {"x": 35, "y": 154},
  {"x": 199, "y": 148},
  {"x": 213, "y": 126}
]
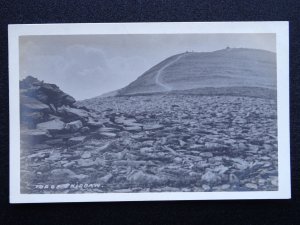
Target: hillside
[{"x": 227, "y": 68}]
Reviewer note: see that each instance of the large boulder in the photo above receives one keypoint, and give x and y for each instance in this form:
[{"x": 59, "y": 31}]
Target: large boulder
[
  {"x": 53, "y": 126},
  {"x": 70, "y": 114}
]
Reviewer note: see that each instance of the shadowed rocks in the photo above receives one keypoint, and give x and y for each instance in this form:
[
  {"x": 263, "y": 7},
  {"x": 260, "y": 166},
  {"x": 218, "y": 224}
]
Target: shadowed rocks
[{"x": 47, "y": 112}]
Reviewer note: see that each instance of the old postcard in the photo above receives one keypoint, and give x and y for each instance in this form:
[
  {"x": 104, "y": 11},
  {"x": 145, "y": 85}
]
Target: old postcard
[{"x": 149, "y": 111}]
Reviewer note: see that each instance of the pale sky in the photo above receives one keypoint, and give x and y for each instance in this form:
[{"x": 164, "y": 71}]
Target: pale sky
[{"x": 86, "y": 66}]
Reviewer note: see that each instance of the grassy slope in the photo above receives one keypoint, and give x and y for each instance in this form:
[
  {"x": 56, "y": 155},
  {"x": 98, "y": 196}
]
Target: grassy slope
[{"x": 224, "y": 68}]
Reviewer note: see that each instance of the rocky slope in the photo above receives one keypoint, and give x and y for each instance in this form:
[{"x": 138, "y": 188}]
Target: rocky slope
[
  {"x": 227, "y": 68},
  {"x": 162, "y": 143}
]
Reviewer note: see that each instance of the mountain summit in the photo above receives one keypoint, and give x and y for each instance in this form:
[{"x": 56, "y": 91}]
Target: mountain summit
[{"x": 230, "y": 67}]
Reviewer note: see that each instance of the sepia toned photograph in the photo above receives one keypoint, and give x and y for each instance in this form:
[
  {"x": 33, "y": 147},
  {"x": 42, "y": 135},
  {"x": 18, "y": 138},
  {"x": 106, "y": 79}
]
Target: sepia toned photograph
[{"x": 196, "y": 113}]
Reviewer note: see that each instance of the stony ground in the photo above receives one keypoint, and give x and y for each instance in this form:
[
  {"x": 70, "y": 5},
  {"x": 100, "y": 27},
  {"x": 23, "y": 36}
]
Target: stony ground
[{"x": 162, "y": 143}]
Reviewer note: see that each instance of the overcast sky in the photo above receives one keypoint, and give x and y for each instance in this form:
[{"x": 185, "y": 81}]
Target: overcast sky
[{"x": 86, "y": 66}]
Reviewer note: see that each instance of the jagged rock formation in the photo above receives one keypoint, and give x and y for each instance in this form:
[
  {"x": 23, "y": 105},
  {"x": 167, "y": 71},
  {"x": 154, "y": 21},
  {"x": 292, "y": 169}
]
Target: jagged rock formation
[
  {"x": 49, "y": 114},
  {"x": 49, "y": 94}
]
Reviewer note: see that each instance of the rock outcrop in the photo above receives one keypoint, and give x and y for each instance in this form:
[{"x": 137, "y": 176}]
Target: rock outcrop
[
  {"x": 44, "y": 92},
  {"x": 47, "y": 112}
]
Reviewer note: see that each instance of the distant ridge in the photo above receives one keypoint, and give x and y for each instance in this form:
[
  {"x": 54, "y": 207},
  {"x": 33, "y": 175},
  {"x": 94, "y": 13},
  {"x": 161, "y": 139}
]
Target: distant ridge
[{"x": 221, "y": 70}]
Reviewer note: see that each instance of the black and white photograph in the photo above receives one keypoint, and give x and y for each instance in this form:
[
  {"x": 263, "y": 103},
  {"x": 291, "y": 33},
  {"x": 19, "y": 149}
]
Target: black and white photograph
[{"x": 149, "y": 112}]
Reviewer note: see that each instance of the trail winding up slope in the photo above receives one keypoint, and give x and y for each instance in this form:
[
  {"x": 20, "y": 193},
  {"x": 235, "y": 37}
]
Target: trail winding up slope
[
  {"x": 159, "y": 72},
  {"x": 226, "y": 68}
]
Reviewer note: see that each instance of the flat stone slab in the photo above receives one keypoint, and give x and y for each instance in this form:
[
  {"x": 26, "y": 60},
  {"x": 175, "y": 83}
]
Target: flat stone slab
[
  {"x": 108, "y": 129},
  {"x": 108, "y": 134},
  {"x": 135, "y": 128},
  {"x": 125, "y": 121},
  {"x": 77, "y": 140},
  {"x": 56, "y": 141},
  {"x": 153, "y": 127},
  {"x": 73, "y": 113},
  {"x": 52, "y": 125}
]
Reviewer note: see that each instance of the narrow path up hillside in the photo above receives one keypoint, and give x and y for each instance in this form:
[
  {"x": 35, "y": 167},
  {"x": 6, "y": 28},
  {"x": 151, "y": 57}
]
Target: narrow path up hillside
[{"x": 158, "y": 80}]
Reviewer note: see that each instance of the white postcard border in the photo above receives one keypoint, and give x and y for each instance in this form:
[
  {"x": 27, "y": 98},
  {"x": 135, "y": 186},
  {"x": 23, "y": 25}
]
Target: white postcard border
[{"x": 282, "y": 44}]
